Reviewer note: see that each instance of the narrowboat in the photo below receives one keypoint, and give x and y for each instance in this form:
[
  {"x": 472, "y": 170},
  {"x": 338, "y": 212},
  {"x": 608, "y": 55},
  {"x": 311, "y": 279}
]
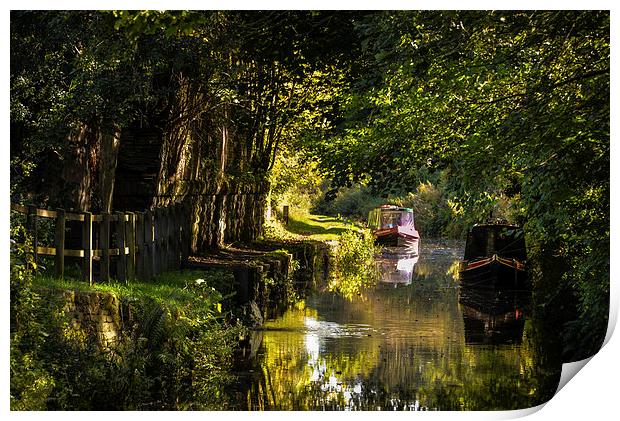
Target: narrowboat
[
  {"x": 392, "y": 226},
  {"x": 494, "y": 257}
]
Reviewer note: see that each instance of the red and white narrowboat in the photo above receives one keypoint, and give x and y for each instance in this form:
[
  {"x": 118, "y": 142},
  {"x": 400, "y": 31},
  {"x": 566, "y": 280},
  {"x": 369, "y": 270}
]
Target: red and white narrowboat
[{"x": 392, "y": 226}]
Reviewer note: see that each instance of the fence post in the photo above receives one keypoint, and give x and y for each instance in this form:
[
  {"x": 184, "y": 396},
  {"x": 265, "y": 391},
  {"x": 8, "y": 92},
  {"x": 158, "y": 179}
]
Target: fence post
[
  {"x": 176, "y": 236},
  {"x": 149, "y": 255},
  {"x": 285, "y": 214},
  {"x": 87, "y": 246},
  {"x": 181, "y": 231},
  {"x": 31, "y": 224},
  {"x": 59, "y": 263},
  {"x": 186, "y": 236},
  {"x": 160, "y": 239},
  {"x": 156, "y": 240},
  {"x": 130, "y": 234},
  {"x": 121, "y": 262},
  {"x": 172, "y": 237},
  {"x": 157, "y": 245},
  {"x": 165, "y": 237},
  {"x": 104, "y": 245},
  {"x": 141, "y": 252}
]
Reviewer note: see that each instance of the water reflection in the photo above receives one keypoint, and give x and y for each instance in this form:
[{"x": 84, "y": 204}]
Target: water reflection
[
  {"x": 397, "y": 269},
  {"x": 493, "y": 317},
  {"x": 423, "y": 345}
]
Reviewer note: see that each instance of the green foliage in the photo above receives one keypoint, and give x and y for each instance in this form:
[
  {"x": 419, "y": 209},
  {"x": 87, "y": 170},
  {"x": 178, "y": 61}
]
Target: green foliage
[
  {"x": 352, "y": 202},
  {"x": 31, "y": 382},
  {"x": 586, "y": 251},
  {"x": 264, "y": 76},
  {"x": 435, "y": 214},
  {"x": 294, "y": 183},
  {"x": 353, "y": 264},
  {"x": 171, "y": 23},
  {"x": 499, "y": 111},
  {"x": 176, "y": 355},
  {"x": 515, "y": 107},
  {"x": 430, "y": 207},
  {"x": 31, "y": 385}
]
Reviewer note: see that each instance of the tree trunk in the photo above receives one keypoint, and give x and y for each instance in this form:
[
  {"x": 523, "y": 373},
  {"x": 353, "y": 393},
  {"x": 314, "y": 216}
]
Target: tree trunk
[
  {"x": 78, "y": 168},
  {"x": 109, "y": 138}
]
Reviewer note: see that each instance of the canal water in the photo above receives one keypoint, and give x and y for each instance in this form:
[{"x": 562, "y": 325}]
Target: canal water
[{"x": 416, "y": 341}]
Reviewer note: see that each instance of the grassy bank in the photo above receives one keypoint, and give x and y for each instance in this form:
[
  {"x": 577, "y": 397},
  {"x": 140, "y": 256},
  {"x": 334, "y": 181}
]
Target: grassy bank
[
  {"x": 305, "y": 226},
  {"x": 182, "y": 291},
  {"x": 175, "y": 354},
  {"x": 352, "y": 249}
]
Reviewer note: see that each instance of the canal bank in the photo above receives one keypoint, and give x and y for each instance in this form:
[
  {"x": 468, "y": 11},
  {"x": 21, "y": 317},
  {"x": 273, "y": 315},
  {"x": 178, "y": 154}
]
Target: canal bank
[
  {"x": 266, "y": 276},
  {"x": 259, "y": 329},
  {"x": 164, "y": 344},
  {"x": 415, "y": 341}
]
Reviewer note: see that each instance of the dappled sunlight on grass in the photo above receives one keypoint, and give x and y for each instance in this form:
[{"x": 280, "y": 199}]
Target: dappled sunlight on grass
[{"x": 319, "y": 227}]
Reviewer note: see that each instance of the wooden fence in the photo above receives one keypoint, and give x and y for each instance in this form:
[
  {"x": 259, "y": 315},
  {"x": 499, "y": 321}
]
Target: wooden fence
[{"x": 139, "y": 244}]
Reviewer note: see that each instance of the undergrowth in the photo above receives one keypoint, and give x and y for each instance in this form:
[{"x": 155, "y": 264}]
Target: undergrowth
[
  {"x": 353, "y": 267},
  {"x": 176, "y": 354}
]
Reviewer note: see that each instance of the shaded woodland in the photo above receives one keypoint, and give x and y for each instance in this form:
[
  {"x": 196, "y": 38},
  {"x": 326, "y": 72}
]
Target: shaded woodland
[
  {"x": 112, "y": 112},
  {"x": 504, "y": 112}
]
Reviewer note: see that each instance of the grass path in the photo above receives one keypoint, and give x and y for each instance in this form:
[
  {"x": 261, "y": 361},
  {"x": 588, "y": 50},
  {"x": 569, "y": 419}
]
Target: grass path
[{"x": 318, "y": 227}]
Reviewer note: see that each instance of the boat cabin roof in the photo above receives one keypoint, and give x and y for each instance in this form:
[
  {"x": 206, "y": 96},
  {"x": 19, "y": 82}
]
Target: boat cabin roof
[
  {"x": 393, "y": 208},
  {"x": 505, "y": 240},
  {"x": 389, "y": 216}
]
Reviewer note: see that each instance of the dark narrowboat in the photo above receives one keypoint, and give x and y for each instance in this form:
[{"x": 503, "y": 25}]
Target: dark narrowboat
[
  {"x": 494, "y": 258},
  {"x": 392, "y": 226}
]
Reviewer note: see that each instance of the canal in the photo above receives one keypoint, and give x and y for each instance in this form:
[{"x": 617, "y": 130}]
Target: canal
[{"x": 415, "y": 341}]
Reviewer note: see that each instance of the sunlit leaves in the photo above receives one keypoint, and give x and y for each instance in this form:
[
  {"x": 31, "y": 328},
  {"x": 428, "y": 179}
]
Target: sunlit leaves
[
  {"x": 354, "y": 269},
  {"x": 170, "y": 23},
  {"x": 513, "y": 105}
]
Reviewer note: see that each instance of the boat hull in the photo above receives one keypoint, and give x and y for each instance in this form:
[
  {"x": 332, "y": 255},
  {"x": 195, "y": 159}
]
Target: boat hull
[
  {"x": 494, "y": 273},
  {"x": 398, "y": 238}
]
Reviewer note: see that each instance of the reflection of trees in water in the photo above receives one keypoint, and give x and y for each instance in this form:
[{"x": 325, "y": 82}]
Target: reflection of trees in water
[
  {"x": 451, "y": 386},
  {"x": 404, "y": 348},
  {"x": 296, "y": 382},
  {"x": 305, "y": 372},
  {"x": 429, "y": 271}
]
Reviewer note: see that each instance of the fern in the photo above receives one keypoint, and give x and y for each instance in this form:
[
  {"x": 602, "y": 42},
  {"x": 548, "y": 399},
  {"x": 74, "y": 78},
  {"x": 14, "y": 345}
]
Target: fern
[{"x": 152, "y": 324}]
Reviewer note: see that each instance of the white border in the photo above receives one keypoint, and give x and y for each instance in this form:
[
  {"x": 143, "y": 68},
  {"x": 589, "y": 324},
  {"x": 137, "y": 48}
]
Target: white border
[{"x": 592, "y": 394}]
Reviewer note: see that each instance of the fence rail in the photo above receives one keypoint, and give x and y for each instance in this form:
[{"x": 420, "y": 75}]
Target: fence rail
[{"x": 143, "y": 244}]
